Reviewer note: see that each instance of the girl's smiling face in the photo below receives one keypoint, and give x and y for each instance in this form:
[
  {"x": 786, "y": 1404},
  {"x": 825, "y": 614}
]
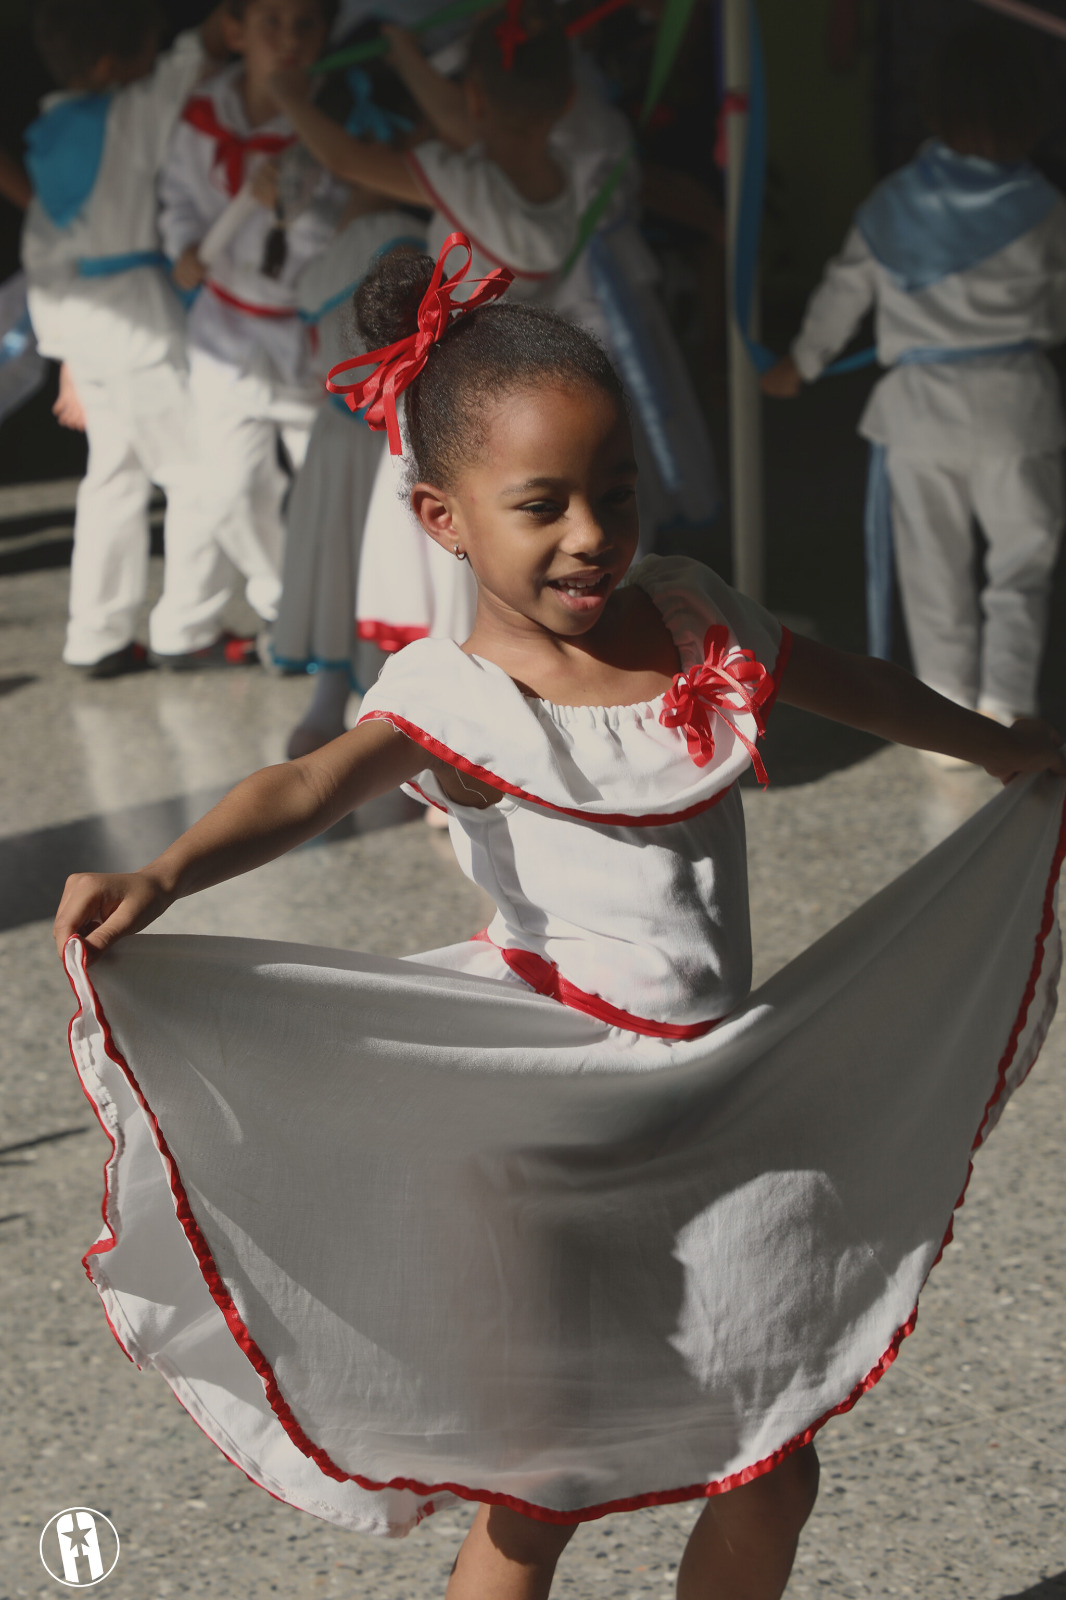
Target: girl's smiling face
[{"x": 545, "y": 510}]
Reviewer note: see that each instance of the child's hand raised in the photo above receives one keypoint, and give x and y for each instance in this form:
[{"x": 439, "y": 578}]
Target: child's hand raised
[
  {"x": 101, "y": 907},
  {"x": 1034, "y": 747},
  {"x": 782, "y": 381},
  {"x": 290, "y": 86},
  {"x": 189, "y": 271}
]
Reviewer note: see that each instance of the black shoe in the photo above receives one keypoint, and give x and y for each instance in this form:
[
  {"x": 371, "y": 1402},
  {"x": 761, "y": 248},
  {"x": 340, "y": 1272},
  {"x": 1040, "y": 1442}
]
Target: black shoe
[
  {"x": 131, "y": 658},
  {"x": 228, "y": 650}
]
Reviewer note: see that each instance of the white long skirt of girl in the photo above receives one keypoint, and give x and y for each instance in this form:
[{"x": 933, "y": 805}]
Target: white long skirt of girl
[{"x": 400, "y": 1231}]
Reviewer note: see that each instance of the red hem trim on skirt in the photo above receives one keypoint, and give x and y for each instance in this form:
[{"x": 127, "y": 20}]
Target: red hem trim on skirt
[{"x": 220, "y": 1294}]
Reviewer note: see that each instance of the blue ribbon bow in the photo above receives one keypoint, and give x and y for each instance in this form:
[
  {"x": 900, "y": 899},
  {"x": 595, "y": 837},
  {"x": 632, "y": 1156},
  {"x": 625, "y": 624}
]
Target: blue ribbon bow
[{"x": 366, "y": 120}]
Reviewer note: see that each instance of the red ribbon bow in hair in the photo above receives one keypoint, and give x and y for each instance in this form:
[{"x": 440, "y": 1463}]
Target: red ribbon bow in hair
[
  {"x": 398, "y": 364},
  {"x": 510, "y": 33},
  {"x": 232, "y": 148},
  {"x": 729, "y": 683}
]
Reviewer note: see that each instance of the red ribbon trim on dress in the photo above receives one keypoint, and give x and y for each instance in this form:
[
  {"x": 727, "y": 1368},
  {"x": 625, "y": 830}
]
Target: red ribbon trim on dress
[
  {"x": 729, "y": 684},
  {"x": 545, "y": 977},
  {"x": 440, "y": 204},
  {"x": 231, "y": 148},
  {"x": 397, "y": 365}
]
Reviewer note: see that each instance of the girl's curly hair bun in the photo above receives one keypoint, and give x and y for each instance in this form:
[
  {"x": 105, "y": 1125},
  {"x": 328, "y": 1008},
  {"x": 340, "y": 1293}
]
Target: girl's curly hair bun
[{"x": 387, "y": 301}]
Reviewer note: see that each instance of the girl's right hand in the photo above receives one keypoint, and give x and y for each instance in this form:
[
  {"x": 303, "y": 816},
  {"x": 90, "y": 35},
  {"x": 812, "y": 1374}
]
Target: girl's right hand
[{"x": 100, "y": 907}]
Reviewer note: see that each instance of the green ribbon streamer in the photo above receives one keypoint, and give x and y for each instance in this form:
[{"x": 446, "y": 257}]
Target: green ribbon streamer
[
  {"x": 672, "y": 25},
  {"x": 380, "y": 47}
]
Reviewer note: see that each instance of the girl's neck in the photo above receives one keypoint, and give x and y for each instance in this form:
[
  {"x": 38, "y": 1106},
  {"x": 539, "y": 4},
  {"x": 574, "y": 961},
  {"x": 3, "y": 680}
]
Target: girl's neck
[
  {"x": 525, "y": 160},
  {"x": 259, "y": 104},
  {"x": 628, "y": 656}
]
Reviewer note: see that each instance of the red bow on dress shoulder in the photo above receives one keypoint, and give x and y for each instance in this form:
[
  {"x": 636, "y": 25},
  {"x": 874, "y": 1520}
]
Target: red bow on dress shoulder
[
  {"x": 729, "y": 683},
  {"x": 231, "y": 148},
  {"x": 398, "y": 364}
]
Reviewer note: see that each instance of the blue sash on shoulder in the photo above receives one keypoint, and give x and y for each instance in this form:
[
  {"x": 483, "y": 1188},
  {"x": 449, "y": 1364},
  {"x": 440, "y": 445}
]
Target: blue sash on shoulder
[
  {"x": 943, "y": 213},
  {"x": 64, "y": 148},
  {"x": 877, "y": 523}
]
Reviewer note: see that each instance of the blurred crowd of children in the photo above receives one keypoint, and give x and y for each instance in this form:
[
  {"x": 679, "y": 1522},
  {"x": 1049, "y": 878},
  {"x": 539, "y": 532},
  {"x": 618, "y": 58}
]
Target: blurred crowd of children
[{"x": 199, "y": 220}]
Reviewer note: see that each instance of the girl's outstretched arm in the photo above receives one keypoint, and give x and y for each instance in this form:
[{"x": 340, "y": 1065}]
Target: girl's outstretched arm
[
  {"x": 441, "y": 101},
  {"x": 265, "y": 815},
  {"x": 883, "y": 699},
  {"x": 376, "y": 166}
]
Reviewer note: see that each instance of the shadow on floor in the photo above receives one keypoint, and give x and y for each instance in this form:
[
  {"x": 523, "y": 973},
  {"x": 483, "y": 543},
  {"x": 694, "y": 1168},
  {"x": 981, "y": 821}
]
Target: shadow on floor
[
  {"x": 34, "y": 866},
  {"x": 1053, "y": 1588},
  {"x": 800, "y": 748}
]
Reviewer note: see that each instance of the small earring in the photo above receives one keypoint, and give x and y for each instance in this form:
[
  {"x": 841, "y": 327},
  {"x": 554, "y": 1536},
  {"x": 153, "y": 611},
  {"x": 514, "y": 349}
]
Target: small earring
[{"x": 460, "y": 555}]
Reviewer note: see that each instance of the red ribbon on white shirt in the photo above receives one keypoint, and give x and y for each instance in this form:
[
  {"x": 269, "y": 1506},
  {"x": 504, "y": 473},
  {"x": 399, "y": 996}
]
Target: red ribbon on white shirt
[
  {"x": 729, "y": 683},
  {"x": 231, "y": 149}
]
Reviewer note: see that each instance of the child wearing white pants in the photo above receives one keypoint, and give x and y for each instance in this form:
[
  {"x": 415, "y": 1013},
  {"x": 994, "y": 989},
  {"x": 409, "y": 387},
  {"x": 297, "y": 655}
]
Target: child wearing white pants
[
  {"x": 984, "y": 652},
  {"x": 250, "y": 378},
  {"x": 962, "y": 256},
  {"x": 100, "y": 302}
]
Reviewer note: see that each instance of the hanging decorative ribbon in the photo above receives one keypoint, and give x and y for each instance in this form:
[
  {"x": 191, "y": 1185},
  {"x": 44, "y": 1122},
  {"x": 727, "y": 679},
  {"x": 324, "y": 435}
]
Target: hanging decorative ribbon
[
  {"x": 750, "y": 212},
  {"x": 730, "y": 683},
  {"x": 510, "y": 34},
  {"x": 368, "y": 120},
  {"x": 396, "y": 365},
  {"x": 232, "y": 149}
]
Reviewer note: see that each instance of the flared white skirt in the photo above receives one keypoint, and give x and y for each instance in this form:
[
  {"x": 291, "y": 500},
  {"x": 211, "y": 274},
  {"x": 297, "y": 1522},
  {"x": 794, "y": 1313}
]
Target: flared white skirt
[{"x": 397, "y": 1232}]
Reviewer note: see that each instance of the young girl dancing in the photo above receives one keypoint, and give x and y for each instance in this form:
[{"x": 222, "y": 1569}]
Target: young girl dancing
[{"x": 558, "y": 1219}]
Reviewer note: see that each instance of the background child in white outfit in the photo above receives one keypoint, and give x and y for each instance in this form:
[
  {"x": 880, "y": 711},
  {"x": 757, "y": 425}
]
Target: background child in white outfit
[
  {"x": 249, "y": 373},
  {"x": 970, "y": 416},
  {"x": 100, "y": 301}
]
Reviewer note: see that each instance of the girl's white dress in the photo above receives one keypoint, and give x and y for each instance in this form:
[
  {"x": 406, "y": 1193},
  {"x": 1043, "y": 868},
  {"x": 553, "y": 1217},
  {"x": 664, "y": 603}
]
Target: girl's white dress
[
  {"x": 327, "y": 507},
  {"x": 522, "y": 1220}
]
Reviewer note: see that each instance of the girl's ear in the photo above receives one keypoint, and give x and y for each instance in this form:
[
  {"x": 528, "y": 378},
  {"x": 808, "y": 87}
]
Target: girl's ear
[{"x": 433, "y": 509}]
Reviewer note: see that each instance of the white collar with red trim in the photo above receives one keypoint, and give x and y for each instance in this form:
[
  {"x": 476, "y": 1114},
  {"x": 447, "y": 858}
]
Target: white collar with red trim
[{"x": 614, "y": 764}]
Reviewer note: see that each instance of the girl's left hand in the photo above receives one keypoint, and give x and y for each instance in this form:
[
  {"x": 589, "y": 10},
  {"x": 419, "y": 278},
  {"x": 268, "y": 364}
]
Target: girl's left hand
[
  {"x": 290, "y": 86},
  {"x": 1036, "y": 747}
]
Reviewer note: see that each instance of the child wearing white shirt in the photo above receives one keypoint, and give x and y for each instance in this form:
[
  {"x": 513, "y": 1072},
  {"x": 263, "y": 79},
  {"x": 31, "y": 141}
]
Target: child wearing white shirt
[
  {"x": 101, "y": 303},
  {"x": 962, "y": 256},
  {"x": 250, "y": 377}
]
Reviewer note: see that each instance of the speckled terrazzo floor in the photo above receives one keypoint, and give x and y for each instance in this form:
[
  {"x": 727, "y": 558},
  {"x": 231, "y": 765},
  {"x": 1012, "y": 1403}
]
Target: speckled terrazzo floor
[{"x": 949, "y": 1480}]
